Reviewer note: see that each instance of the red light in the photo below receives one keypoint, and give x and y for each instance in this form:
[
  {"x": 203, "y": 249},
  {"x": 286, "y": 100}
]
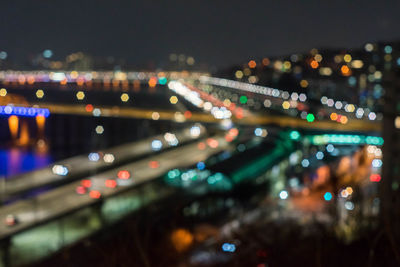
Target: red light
[
  {"x": 234, "y": 131},
  {"x": 201, "y": 146},
  {"x": 375, "y": 177},
  {"x": 124, "y": 175},
  {"x": 80, "y": 190},
  {"x": 95, "y": 194},
  {"x": 111, "y": 183},
  {"x": 212, "y": 142},
  {"x": 89, "y": 107},
  {"x": 86, "y": 183},
  {"x": 154, "y": 164},
  {"x": 187, "y": 114}
]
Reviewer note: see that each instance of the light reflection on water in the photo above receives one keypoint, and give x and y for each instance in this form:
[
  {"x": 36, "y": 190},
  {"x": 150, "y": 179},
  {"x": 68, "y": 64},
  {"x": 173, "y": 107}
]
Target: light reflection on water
[{"x": 15, "y": 161}]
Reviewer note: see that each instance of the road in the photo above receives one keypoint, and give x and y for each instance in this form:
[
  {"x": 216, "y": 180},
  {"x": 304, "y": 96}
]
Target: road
[
  {"x": 64, "y": 199},
  {"x": 81, "y": 165}
]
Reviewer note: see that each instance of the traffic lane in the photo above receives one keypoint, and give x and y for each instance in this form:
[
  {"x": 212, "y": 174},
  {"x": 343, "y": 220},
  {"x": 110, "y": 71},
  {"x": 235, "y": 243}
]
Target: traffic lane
[
  {"x": 81, "y": 164},
  {"x": 64, "y": 199}
]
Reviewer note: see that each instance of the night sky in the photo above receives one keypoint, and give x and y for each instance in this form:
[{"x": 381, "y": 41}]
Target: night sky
[{"x": 215, "y": 32}]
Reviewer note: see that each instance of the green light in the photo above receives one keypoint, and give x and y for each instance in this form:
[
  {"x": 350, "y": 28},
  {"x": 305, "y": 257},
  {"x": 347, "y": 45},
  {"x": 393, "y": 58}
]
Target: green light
[
  {"x": 310, "y": 117},
  {"x": 243, "y": 99},
  {"x": 294, "y": 135}
]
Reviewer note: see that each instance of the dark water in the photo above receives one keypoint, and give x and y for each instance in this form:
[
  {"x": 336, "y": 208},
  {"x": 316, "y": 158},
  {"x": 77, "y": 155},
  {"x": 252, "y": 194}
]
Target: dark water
[{"x": 14, "y": 161}]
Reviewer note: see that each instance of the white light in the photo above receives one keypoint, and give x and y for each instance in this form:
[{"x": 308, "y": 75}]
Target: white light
[
  {"x": 283, "y": 194},
  {"x": 372, "y": 116},
  {"x": 96, "y": 112},
  {"x": 108, "y": 158},
  {"x": 60, "y": 170},
  {"x": 171, "y": 139},
  {"x": 99, "y": 129},
  {"x": 349, "y": 205},
  {"x": 338, "y": 105},
  {"x": 302, "y": 97},
  {"x": 156, "y": 145},
  {"x": 195, "y": 131},
  {"x": 377, "y": 163},
  {"x": 94, "y": 156},
  {"x": 330, "y": 102},
  {"x": 359, "y": 113}
]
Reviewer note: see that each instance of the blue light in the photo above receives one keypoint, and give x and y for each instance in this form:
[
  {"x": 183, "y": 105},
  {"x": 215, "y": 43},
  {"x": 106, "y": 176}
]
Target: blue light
[
  {"x": 228, "y": 247},
  {"x": 398, "y": 61},
  {"x": 328, "y": 196},
  {"x": 24, "y": 111},
  {"x": 388, "y": 49},
  {"x": 156, "y": 145},
  {"x": 201, "y": 166}
]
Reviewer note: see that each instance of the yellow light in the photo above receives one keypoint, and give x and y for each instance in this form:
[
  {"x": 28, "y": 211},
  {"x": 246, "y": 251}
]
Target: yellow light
[
  {"x": 155, "y": 116},
  {"x": 247, "y": 71},
  {"x": 357, "y": 64},
  {"x": 74, "y": 74},
  {"x": 287, "y": 65},
  {"x": 227, "y": 102},
  {"x": 286, "y": 105},
  {"x": 303, "y": 83},
  {"x": 173, "y": 99},
  {"x": 334, "y": 116},
  {"x": 351, "y": 108},
  {"x": 190, "y": 61},
  {"x": 349, "y": 190},
  {"x": 388, "y": 57},
  {"x": 3, "y": 92},
  {"x": 39, "y": 93},
  {"x": 124, "y": 97},
  {"x": 80, "y": 95},
  {"x": 397, "y": 122},
  {"x": 347, "y": 58},
  {"x": 318, "y": 57},
  {"x": 239, "y": 74}
]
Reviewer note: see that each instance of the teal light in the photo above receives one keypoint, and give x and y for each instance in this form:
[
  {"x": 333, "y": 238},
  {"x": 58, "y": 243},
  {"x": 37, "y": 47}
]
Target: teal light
[
  {"x": 162, "y": 80},
  {"x": 294, "y": 135}
]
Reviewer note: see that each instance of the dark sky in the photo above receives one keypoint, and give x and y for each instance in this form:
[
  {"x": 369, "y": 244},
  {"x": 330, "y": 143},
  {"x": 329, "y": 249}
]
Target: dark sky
[{"x": 215, "y": 32}]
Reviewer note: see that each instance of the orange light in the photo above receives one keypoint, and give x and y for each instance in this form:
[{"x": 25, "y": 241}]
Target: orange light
[
  {"x": 124, "y": 175},
  {"x": 334, "y": 116},
  {"x": 343, "y": 120},
  {"x": 252, "y": 64},
  {"x": 153, "y": 82},
  {"x": 95, "y": 194},
  {"x": 314, "y": 64},
  {"x": 181, "y": 239},
  {"x": 111, "y": 183},
  {"x": 266, "y": 61},
  {"x": 13, "y": 125},
  {"x": 345, "y": 70}
]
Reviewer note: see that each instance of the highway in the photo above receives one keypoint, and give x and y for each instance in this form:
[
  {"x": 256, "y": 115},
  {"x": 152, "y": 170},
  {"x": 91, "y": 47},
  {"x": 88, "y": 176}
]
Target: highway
[
  {"x": 81, "y": 165},
  {"x": 65, "y": 199}
]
